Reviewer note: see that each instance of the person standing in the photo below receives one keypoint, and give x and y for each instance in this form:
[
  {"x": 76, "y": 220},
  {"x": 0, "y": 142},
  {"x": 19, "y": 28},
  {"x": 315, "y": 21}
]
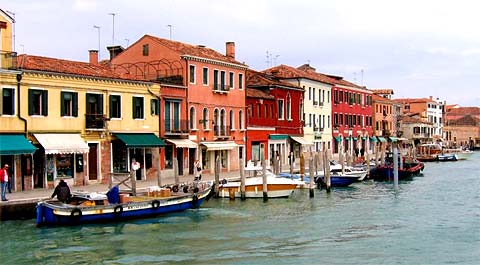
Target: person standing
[
  {"x": 198, "y": 170},
  {"x": 4, "y": 177}
]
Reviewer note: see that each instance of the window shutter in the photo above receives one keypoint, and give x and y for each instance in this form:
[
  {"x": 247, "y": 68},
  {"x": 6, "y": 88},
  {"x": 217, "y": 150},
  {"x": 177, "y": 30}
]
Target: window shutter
[
  {"x": 100, "y": 104},
  {"x": 62, "y": 105},
  {"x": 133, "y": 107},
  {"x": 30, "y": 102},
  {"x": 75, "y": 104},
  {"x": 110, "y": 104},
  {"x": 45, "y": 103}
]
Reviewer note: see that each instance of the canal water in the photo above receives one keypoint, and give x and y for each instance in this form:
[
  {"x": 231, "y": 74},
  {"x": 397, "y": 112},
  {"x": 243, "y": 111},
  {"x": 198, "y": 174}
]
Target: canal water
[{"x": 433, "y": 219}]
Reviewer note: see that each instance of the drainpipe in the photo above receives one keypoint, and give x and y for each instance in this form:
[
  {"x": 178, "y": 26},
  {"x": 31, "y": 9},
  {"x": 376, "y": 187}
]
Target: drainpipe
[{"x": 19, "y": 79}]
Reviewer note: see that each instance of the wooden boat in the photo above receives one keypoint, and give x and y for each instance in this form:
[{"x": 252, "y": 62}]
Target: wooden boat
[
  {"x": 277, "y": 186},
  {"x": 385, "y": 173},
  {"x": 428, "y": 152},
  {"x": 96, "y": 207},
  {"x": 461, "y": 154}
]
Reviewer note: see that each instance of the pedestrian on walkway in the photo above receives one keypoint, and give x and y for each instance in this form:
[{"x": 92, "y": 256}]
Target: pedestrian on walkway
[
  {"x": 198, "y": 170},
  {"x": 4, "y": 177}
]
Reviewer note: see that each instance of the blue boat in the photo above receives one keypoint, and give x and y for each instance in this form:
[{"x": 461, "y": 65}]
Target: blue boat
[
  {"x": 95, "y": 207},
  {"x": 336, "y": 180}
]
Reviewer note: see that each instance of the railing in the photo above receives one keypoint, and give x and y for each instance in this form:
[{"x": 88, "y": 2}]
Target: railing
[
  {"x": 95, "y": 121},
  {"x": 8, "y": 60},
  {"x": 221, "y": 131},
  {"x": 221, "y": 87},
  {"x": 176, "y": 126},
  {"x": 315, "y": 103},
  {"x": 320, "y": 104}
]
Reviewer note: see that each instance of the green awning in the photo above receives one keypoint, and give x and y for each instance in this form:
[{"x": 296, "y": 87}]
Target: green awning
[
  {"x": 140, "y": 140},
  {"x": 338, "y": 138},
  {"x": 15, "y": 144},
  {"x": 373, "y": 139},
  {"x": 381, "y": 139},
  {"x": 393, "y": 139},
  {"x": 278, "y": 136},
  {"x": 364, "y": 138}
]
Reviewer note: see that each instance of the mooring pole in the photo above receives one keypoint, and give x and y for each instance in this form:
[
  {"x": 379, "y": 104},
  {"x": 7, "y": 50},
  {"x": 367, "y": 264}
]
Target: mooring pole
[
  {"x": 310, "y": 169},
  {"x": 217, "y": 176},
  {"x": 327, "y": 173},
  {"x": 242, "y": 180},
  {"x": 395, "y": 167},
  {"x": 264, "y": 179}
]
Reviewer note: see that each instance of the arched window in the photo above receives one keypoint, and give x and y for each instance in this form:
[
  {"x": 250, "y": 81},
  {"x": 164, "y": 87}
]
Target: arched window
[
  {"x": 223, "y": 122},
  {"x": 216, "y": 121},
  {"x": 205, "y": 119},
  {"x": 240, "y": 120},
  {"x": 193, "y": 118},
  {"x": 232, "y": 120}
]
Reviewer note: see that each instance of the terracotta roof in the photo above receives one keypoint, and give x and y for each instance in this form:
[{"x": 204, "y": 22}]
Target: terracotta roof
[
  {"x": 53, "y": 65},
  {"x": 409, "y": 119},
  {"x": 380, "y": 98},
  {"x": 194, "y": 50},
  {"x": 308, "y": 72},
  {"x": 464, "y": 111},
  {"x": 467, "y": 120},
  {"x": 414, "y": 100},
  {"x": 254, "y": 78},
  {"x": 383, "y": 91},
  {"x": 258, "y": 93}
]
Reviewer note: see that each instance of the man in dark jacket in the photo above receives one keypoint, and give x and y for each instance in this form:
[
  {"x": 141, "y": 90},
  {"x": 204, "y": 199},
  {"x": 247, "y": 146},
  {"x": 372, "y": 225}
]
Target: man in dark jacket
[{"x": 62, "y": 191}]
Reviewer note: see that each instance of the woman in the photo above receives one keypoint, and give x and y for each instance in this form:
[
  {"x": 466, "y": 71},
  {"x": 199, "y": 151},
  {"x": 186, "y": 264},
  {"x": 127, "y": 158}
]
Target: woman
[{"x": 198, "y": 170}]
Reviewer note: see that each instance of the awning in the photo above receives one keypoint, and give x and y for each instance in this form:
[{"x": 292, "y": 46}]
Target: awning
[
  {"x": 301, "y": 140},
  {"x": 15, "y": 144},
  {"x": 350, "y": 138},
  {"x": 278, "y": 136},
  {"x": 393, "y": 139},
  {"x": 182, "y": 143},
  {"x": 364, "y": 138},
  {"x": 373, "y": 139},
  {"x": 338, "y": 138},
  {"x": 140, "y": 140},
  {"x": 381, "y": 139},
  {"x": 225, "y": 145},
  {"x": 62, "y": 143}
]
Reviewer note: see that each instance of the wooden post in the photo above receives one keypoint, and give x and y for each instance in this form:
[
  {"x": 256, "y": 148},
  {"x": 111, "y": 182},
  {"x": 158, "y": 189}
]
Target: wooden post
[
  {"x": 217, "y": 177},
  {"x": 291, "y": 165},
  {"x": 264, "y": 179},
  {"x": 280, "y": 160},
  {"x": 321, "y": 160},
  {"x": 133, "y": 178},
  {"x": 310, "y": 169},
  {"x": 302, "y": 167},
  {"x": 159, "y": 174},
  {"x": 382, "y": 157},
  {"x": 327, "y": 172},
  {"x": 242, "y": 180},
  {"x": 175, "y": 171},
  {"x": 376, "y": 154},
  {"x": 367, "y": 159},
  {"x": 395, "y": 167},
  {"x": 342, "y": 162}
]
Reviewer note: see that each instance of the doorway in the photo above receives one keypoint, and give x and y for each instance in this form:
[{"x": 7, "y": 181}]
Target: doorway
[
  {"x": 92, "y": 161},
  {"x": 180, "y": 160}
]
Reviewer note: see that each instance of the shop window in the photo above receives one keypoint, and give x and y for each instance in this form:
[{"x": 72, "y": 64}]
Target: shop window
[{"x": 65, "y": 166}]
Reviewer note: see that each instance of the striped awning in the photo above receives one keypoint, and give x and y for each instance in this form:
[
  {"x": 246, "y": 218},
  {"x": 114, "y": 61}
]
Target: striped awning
[
  {"x": 221, "y": 145},
  {"x": 182, "y": 143},
  {"x": 301, "y": 140}
]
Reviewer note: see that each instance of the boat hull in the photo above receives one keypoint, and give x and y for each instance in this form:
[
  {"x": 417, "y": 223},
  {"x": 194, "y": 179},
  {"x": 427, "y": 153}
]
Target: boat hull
[
  {"x": 256, "y": 191},
  {"x": 55, "y": 213}
]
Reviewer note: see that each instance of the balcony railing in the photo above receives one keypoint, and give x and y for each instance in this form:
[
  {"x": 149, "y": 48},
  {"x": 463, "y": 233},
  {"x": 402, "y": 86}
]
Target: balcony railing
[
  {"x": 8, "y": 60},
  {"x": 315, "y": 103},
  {"x": 176, "y": 126},
  {"x": 221, "y": 131},
  {"x": 95, "y": 121},
  {"x": 320, "y": 104},
  {"x": 220, "y": 87}
]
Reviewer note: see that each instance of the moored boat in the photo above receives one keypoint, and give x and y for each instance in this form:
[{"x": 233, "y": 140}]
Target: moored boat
[
  {"x": 96, "y": 207},
  {"x": 447, "y": 157},
  {"x": 461, "y": 154},
  {"x": 336, "y": 180}
]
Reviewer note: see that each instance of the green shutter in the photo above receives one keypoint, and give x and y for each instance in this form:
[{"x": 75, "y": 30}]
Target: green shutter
[
  {"x": 100, "y": 104},
  {"x": 45, "y": 103},
  {"x": 134, "y": 115},
  {"x": 75, "y": 104},
  {"x": 30, "y": 102},
  {"x": 110, "y": 104},
  {"x": 62, "y": 105}
]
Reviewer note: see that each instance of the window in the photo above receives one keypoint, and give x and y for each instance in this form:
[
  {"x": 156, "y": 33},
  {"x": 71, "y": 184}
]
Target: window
[
  {"x": 193, "y": 118},
  {"x": 231, "y": 79},
  {"x": 155, "y": 107},
  {"x": 289, "y": 108},
  {"x": 205, "y": 76},
  {"x": 145, "y": 50},
  {"x": 232, "y": 120},
  {"x": 309, "y": 93},
  {"x": 240, "y": 81},
  {"x": 37, "y": 102},
  {"x": 192, "y": 74},
  {"x": 265, "y": 109},
  {"x": 8, "y": 101},
  {"x": 115, "y": 107},
  {"x": 69, "y": 104},
  {"x": 137, "y": 108},
  {"x": 223, "y": 81},
  {"x": 259, "y": 111},
  {"x": 205, "y": 118},
  {"x": 300, "y": 111},
  {"x": 240, "y": 120},
  {"x": 172, "y": 116},
  {"x": 216, "y": 85},
  {"x": 280, "y": 109}
]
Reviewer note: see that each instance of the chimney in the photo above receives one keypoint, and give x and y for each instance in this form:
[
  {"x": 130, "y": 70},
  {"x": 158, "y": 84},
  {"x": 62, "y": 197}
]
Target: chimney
[
  {"x": 93, "y": 56},
  {"x": 230, "y": 51},
  {"x": 114, "y": 51}
]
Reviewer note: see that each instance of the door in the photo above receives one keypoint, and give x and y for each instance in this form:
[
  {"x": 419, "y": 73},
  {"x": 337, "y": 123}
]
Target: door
[
  {"x": 191, "y": 160},
  {"x": 39, "y": 168},
  {"x": 180, "y": 161},
  {"x": 92, "y": 161}
]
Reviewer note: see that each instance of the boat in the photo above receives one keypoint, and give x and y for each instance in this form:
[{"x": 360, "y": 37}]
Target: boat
[
  {"x": 336, "y": 180},
  {"x": 428, "y": 152},
  {"x": 411, "y": 167},
  {"x": 85, "y": 207},
  {"x": 447, "y": 157},
  {"x": 462, "y": 154},
  {"x": 277, "y": 186},
  {"x": 357, "y": 173}
]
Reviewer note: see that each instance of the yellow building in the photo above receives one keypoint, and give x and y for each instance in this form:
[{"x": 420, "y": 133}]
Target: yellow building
[{"x": 85, "y": 121}]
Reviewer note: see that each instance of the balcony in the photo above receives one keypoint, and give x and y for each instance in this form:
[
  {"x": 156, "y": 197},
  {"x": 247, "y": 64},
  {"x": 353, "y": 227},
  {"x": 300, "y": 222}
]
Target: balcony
[
  {"x": 95, "y": 122},
  {"x": 176, "y": 127},
  {"x": 221, "y": 131},
  {"x": 220, "y": 88},
  {"x": 8, "y": 60},
  {"x": 320, "y": 104},
  {"x": 315, "y": 103}
]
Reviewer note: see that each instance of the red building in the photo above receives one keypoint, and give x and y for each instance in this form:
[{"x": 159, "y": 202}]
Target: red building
[
  {"x": 202, "y": 99},
  {"x": 352, "y": 115},
  {"x": 274, "y": 116}
]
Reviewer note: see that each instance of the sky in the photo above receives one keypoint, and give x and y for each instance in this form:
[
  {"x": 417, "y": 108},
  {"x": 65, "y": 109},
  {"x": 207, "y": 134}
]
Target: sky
[{"x": 417, "y": 48}]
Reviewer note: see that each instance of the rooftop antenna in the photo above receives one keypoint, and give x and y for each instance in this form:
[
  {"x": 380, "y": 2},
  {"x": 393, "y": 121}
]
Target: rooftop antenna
[
  {"x": 113, "y": 27},
  {"x": 170, "y": 30},
  {"x": 128, "y": 41},
  {"x": 98, "y": 29},
  {"x": 13, "y": 15}
]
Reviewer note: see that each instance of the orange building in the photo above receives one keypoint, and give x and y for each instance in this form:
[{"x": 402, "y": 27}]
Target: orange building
[
  {"x": 202, "y": 99},
  {"x": 383, "y": 118}
]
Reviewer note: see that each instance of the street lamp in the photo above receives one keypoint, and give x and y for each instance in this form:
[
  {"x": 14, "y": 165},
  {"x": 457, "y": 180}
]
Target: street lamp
[
  {"x": 98, "y": 28},
  {"x": 113, "y": 27}
]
